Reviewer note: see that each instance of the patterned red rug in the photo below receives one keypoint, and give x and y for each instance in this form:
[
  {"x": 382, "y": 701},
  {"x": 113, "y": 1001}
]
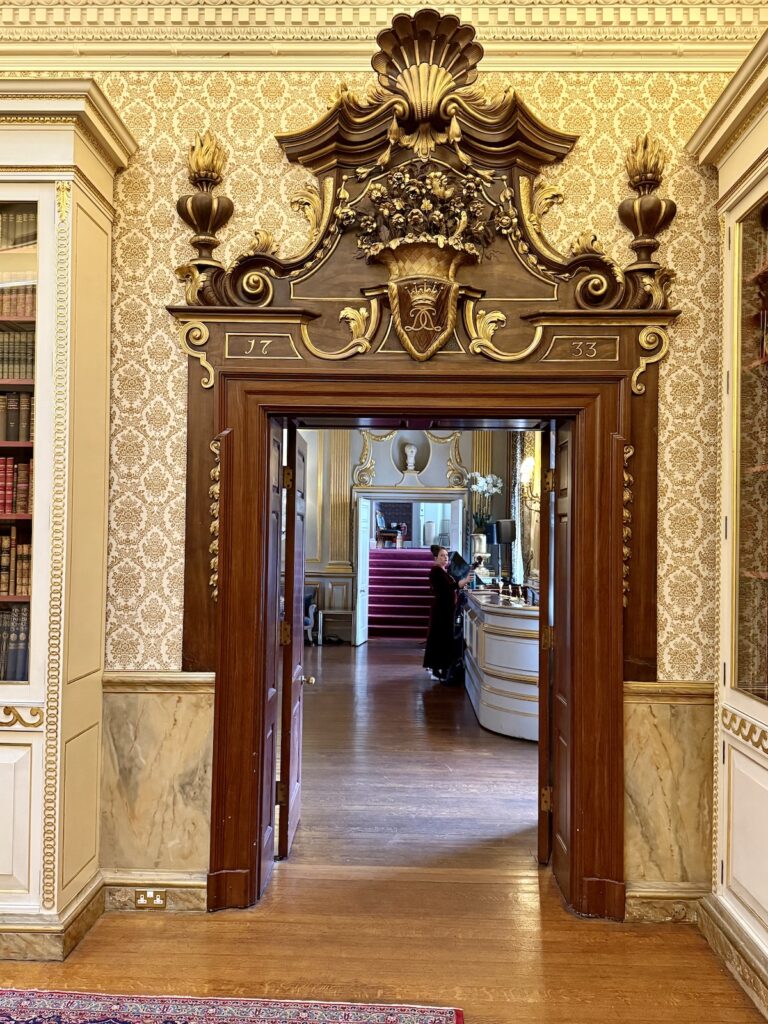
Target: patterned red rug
[{"x": 31, "y": 1007}]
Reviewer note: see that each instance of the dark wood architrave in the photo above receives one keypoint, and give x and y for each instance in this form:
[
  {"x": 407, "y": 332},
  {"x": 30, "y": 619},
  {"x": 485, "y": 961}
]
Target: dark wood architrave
[
  {"x": 525, "y": 328},
  {"x": 199, "y": 650},
  {"x": 247, "y": 402}
]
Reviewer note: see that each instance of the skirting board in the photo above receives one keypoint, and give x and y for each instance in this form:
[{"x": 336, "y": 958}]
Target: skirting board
[
  {"x": 42, "y": 937},
  {"x": 184, "y": 892},
  {"x": 746, "y": 961},
  {"x": 658, "y": 903}
]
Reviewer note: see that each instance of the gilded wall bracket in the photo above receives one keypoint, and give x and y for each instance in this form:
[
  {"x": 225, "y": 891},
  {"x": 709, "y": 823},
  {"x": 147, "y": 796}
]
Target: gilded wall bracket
[
  {"x": 654, "y": 340},
  {"x": 193, "y": 336}
]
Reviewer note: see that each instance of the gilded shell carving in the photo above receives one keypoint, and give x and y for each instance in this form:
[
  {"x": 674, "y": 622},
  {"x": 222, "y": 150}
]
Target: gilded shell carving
[{"x": 424, "y": 58}]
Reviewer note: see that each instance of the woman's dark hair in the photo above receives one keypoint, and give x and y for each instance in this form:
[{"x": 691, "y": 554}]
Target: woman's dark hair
[{"x": 436, "y": 549}]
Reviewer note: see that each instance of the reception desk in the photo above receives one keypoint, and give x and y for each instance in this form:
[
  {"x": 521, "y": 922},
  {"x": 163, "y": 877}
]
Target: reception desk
[{"x": 502, "y": 664}]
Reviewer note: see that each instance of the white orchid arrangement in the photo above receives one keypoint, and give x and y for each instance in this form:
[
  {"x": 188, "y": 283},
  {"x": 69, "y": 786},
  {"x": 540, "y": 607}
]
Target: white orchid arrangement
[{"x": 484, "y": 486}]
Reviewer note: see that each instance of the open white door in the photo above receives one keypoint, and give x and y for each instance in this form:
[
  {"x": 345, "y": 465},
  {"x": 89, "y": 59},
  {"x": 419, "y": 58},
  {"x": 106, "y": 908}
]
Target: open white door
[
  {"x": 457, "y": 525},
  {"x": 363, "y": 536}
]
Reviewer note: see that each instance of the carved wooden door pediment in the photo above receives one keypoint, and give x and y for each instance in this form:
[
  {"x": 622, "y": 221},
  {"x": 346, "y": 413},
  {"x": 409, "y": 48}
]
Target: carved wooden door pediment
[{"x": 426, "y": 233}]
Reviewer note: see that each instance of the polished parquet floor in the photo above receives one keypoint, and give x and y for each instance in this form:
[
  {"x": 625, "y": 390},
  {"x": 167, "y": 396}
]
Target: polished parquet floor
[{"x": 413, "y": 879}]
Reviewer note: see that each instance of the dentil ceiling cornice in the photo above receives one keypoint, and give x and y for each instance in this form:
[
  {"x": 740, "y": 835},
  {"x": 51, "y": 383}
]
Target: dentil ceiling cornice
[{"x": 679, "y": 35}]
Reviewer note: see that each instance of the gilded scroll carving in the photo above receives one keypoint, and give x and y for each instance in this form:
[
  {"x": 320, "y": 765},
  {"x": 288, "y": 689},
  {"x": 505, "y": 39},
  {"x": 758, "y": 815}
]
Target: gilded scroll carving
[
  {"x": 11, "y": 716},
  {"x": 656, "y": 341},
  {"x": 456, "y": 472},
  {"x": 365, "y": 471},
  {"x": 192, "y": 337}
]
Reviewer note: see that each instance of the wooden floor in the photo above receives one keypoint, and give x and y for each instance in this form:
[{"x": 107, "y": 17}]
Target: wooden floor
[{"x": 413, "y": 879}]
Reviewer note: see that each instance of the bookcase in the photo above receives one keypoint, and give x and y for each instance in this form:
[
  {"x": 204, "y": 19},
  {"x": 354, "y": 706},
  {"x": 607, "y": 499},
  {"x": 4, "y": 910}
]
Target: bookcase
[
  {"x": 61, "y": 145},
  {"x": 18, "y": 293},
  {"x": 734, "y": 138}
]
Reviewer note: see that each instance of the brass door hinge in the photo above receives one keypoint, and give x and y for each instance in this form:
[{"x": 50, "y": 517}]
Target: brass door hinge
[
  {"x": 545, "y": 799},
  {"x": 281, "y": 793},
  {"x": 549, "y": 480},
  {"x": 547, "y": 638},
  {"x": 287, "y": 478},
  {"x": 285, "y": 634}
]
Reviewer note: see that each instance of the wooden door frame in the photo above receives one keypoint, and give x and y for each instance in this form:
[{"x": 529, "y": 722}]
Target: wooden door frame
[{"x": 246, "y": 403}]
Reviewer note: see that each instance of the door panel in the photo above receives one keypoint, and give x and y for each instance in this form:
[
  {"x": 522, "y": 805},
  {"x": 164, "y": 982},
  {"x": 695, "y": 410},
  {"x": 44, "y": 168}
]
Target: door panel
[
  {"x": 362, "y": 570},
  {"x": 272, "y": 660},
  {"x": 546, "y": 618},
  {"x": 562, "y": 667},
  {"x": 293, "y": 652}
]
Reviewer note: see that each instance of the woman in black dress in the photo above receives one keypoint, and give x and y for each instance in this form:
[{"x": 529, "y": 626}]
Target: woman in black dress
[{"x": 443, "y": 648}]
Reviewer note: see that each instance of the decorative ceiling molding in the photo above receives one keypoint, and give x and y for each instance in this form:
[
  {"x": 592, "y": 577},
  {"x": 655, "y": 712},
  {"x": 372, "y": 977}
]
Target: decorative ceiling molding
[{"x": 299, "y": 35}]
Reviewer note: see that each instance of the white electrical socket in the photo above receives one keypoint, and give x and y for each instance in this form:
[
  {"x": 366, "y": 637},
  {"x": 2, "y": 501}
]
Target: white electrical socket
[{"x": 149, "y": 899}]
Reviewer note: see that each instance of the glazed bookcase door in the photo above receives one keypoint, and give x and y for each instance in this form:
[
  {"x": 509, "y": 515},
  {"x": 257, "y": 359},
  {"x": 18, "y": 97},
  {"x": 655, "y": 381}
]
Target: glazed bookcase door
[
  {"x": 750, "y": 654},
  {"x": 18, "y": 301},
  {"x": 27, "y": 221}
]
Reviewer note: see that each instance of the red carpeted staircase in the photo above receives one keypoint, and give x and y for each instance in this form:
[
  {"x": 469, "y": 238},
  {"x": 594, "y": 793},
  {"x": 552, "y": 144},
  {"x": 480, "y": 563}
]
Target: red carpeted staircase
[{"x": 399, "y": 598}]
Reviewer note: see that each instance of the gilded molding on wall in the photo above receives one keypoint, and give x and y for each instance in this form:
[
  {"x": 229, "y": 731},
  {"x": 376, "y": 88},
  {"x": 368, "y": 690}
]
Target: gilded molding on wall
[
  {"x": 750, "y": 732},
  {"x": 339, "y": 497},
  {"x": 456, "y": 472},
  {"x": 364, "y": 472},
  {"x": 58, "y": 540},
  {"x": 10, "y": 716},
  {"x": 482, "y": 441}
]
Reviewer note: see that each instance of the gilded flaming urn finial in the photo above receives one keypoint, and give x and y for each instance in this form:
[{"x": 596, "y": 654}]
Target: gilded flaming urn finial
[
  {"x": 647, "y": 215},
  {"x": 204, "y": 212}
]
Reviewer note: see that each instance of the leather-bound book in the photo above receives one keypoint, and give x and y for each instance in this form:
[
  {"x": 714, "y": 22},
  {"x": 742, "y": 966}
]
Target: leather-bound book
[{"x": 12, "y": 423}]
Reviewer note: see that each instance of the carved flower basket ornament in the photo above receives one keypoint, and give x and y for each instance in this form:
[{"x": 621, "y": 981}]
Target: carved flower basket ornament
[{"x": 422, "y": 223}]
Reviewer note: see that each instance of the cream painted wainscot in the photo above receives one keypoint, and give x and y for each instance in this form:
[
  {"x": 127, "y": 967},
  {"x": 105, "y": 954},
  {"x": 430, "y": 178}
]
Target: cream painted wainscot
[
  {"x": 734, "y": 139},
  {"x": 502, "y": 664}
]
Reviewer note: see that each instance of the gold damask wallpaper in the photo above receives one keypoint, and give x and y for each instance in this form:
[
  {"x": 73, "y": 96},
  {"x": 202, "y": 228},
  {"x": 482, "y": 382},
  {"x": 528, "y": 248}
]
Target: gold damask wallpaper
[{"x": 149, "y": 373}]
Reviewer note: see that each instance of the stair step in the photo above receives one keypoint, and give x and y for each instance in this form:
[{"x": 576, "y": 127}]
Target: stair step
[
  {"x": 400, "y": 616},
  {"x": 395, "y": 631},
  {"x": 393, "y": 587}
]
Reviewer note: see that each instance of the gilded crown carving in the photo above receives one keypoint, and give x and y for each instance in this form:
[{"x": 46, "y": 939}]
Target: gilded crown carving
[{"x": 430, "y": 195}]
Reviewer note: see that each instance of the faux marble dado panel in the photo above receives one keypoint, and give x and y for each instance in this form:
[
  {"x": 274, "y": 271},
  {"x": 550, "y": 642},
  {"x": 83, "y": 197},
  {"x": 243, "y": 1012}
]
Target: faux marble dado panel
[
  {"x": 668, "y": 788},
  {"x": 156, "y": 784},
  {"x": 163, "y": 109}
]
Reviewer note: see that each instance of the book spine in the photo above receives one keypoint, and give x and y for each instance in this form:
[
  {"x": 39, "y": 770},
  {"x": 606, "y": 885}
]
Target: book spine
[
  {"x": 5, "y": 563},
  {"x": 12, "y": 589},
  {"x": 8, "y": 499},
  {"x": 13, "y": 644},
  {"x": 22, "y": 665},
  {"x": 28, "y": 567},
  {"x": 12, "y": 422},
  {"x": 22, "y": 489},
  {"x": 3, "y": 417},
  {"x": 25, "y": 403}
]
